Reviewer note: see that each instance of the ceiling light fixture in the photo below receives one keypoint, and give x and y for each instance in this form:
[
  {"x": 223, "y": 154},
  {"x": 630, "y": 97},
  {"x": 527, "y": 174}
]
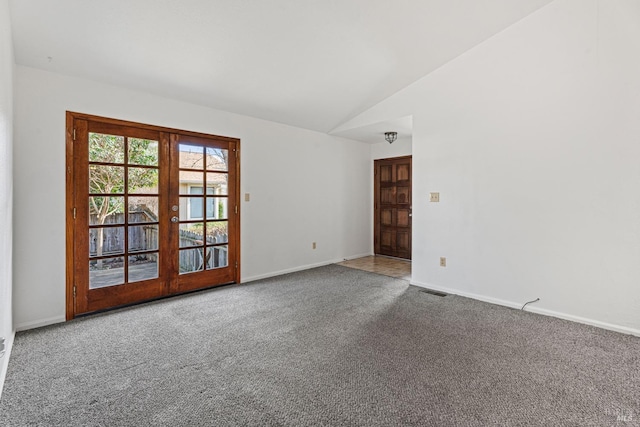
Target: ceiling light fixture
[{"x": 390, "y": 136}]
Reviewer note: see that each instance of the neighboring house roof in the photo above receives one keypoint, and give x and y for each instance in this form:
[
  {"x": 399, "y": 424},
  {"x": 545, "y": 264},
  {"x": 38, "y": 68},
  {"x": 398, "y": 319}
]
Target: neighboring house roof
[{"x": 213, "y": 179}]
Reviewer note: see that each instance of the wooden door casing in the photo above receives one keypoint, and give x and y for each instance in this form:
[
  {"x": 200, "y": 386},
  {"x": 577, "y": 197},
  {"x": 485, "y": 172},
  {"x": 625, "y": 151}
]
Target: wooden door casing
[{"x": 392, "y": 207}]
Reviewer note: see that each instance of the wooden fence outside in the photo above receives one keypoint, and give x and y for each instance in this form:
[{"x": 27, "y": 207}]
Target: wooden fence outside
[{"x": 145, "y": 237}]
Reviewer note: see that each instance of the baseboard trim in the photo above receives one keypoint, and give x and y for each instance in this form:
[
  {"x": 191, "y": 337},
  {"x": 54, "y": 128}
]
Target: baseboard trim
[
  {"x": 586, "y": 321},
  {"x": 4, "y": 366},
  {"x": 349, "y": 258},
  {"x": 532, "y": 309},
  {"x": 295, "y": 269},
  {"x": 39, "y": 323}
]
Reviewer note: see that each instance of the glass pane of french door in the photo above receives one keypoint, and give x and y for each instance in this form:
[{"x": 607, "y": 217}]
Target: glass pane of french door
[
  {"x": 123, "y": 209},
  {"x": 203, "y": 205}
]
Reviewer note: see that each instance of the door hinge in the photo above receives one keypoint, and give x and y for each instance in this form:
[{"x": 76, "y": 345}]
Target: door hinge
[
  {"x": 74, "y": 291},
  {"x": 236, "y": 209},
  {"x": 74, "y": 213},
  {"x": 74, "y": 134},
  {"x": 236, "y": 264}
]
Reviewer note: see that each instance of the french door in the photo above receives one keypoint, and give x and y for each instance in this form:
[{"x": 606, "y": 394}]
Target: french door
[{"x": 151, "y": 212}]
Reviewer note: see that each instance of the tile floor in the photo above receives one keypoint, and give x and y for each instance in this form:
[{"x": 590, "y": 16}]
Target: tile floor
[{"x": 387, "y": 266}]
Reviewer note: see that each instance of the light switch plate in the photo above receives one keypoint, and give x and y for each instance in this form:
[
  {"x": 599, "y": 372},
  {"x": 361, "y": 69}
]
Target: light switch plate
[
  {"x": 434, "y": 197},
  {"x": 247, "y": 197}
]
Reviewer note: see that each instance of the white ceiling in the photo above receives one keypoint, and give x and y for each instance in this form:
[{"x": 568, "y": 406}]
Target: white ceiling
[
  {"x": 312, "y": 64},
  {"x": 374, "y": 133}
]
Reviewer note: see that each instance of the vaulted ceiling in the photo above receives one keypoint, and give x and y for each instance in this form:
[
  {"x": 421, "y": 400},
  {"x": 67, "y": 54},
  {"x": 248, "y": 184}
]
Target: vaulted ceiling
[{"x": 307, "y": 63}]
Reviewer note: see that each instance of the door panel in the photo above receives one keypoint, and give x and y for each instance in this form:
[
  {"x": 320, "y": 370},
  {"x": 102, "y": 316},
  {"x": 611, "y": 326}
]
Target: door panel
[
  {"x": 147, "y": 219},
  {"x": 392, "y": 208},
  {"x": 403, "y": 244},
  {"x": 387, "y": 196},
  {"x": 403, "y": 172},
  {"x": 403, "y": 195},
  {"x": 403, "y": 218},
  {"x": 386, "y": 217},
  {"x": 387, "y": 240}
]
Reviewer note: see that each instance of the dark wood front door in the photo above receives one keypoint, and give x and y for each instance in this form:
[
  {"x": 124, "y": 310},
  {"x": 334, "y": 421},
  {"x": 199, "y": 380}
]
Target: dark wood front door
[
  {"x": 151, "y": 212},
  {"x": 392, "y": 207}
]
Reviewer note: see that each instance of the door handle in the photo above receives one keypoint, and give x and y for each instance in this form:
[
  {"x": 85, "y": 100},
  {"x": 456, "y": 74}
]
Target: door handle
[{"x": 175, "y": 219}]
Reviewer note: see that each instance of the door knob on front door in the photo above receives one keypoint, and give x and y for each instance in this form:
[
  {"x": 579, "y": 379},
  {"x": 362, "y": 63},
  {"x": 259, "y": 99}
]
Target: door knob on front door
[{"x": 174, "y": 219}]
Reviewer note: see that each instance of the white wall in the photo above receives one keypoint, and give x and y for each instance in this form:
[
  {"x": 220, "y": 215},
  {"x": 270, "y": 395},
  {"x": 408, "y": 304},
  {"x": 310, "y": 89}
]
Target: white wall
[
  {"x": 305, "y": 186},
  {"x": 533, "y": 140},
  {"x": 6, "y": 183},
  {"x": 384, "y": 150}
]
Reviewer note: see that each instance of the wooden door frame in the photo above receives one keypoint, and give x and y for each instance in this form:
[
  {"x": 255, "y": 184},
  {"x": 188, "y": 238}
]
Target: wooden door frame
[
  {"x": 376, "y": 199},
  {"x": 70, "y": 306}
]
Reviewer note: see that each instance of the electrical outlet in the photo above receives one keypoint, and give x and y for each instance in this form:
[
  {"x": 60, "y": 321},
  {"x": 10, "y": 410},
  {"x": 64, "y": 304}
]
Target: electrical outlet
[
  {"x": 443, "y": 261},
  {"x": 434, "y": 197},
  {"x": 247, "y": 197},
  {"x": 313, "y": 245}
]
